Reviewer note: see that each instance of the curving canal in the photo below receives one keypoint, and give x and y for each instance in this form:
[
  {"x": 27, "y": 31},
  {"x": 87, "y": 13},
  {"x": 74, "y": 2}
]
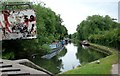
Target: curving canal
[{"x": 69, "y": 58}]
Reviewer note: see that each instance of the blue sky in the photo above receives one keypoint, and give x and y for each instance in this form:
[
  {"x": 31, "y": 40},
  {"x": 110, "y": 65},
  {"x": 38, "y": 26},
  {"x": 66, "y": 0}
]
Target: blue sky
[{"x": 74, "y": 11}]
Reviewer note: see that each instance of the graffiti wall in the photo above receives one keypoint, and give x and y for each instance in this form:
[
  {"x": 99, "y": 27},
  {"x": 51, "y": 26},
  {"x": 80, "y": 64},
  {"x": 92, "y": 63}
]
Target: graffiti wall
[{"x": 18, "y": 24}]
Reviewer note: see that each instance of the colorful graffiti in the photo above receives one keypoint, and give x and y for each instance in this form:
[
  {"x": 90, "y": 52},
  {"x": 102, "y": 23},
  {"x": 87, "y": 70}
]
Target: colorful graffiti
[{"x": 18, "y": 24}]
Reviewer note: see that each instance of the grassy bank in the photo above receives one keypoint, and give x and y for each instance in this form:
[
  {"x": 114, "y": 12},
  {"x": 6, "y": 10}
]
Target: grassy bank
[{"x": 104, "y": 67}]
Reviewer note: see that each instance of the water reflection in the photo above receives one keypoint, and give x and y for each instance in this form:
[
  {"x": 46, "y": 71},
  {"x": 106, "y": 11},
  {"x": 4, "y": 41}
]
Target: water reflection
[
  {"x": 86, "y": 55},
  {"x": 70, "y": 57},
  {"x": 53, "y": 65},
  {"x": 70, "y": 61}
]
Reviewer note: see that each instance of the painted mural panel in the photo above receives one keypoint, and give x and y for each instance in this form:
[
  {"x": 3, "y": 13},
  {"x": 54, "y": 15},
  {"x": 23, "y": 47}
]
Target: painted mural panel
[{"x": 20, "y": 24}]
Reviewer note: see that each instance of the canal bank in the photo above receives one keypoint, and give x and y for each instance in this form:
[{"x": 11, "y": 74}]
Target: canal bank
[
  {"x": 69, "y": 58},
  {"x": 103, "y": 67}
]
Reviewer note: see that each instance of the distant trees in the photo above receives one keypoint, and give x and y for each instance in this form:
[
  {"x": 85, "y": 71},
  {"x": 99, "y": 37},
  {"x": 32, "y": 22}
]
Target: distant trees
[{"x": 99, "y": 29}]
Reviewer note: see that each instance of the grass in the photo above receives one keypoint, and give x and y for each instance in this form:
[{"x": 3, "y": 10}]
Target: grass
[{"x": 104, "y": 67}]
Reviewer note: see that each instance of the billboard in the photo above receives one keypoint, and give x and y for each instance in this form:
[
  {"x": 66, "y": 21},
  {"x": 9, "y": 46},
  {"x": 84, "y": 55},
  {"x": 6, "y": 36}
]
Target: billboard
[{"x": 18, "y": 24}]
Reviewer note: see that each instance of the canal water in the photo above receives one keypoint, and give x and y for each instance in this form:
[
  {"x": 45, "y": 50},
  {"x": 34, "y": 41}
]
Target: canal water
[{"x": 69, "y": 58}]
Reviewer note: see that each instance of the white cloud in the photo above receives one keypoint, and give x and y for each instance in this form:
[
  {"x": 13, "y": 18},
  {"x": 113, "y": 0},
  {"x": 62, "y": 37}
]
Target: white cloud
[{"x": 74, "y": 11}]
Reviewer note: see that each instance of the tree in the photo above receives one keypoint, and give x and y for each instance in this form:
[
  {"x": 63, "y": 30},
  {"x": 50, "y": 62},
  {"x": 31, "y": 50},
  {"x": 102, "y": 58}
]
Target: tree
[
  {"x": 99, "y": 29},
  {"x": 93, "y": 25}
]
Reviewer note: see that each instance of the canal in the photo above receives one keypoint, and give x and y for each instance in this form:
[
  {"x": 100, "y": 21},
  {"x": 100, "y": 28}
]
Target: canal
[{"x": 69, "y": 58}]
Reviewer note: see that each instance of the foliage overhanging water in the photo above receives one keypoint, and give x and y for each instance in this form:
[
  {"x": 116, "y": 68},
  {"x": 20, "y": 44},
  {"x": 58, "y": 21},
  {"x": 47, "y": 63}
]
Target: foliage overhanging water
[{"x": 70, "y": 57}]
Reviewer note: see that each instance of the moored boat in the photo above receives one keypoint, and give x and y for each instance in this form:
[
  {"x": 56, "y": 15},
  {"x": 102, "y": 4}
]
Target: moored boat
[{"x": 85, "y": 43}]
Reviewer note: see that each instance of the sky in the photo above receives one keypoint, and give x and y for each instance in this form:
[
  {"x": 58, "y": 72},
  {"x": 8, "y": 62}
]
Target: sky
[{"x": 74, "y": 11}]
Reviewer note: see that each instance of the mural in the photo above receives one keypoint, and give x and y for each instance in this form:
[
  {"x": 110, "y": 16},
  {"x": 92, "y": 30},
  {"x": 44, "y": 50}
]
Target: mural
[{"x": 18, "y": 24}]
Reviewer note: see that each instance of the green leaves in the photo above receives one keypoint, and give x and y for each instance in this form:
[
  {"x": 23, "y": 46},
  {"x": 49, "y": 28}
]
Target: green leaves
[{"x": 99, "y": 29}]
